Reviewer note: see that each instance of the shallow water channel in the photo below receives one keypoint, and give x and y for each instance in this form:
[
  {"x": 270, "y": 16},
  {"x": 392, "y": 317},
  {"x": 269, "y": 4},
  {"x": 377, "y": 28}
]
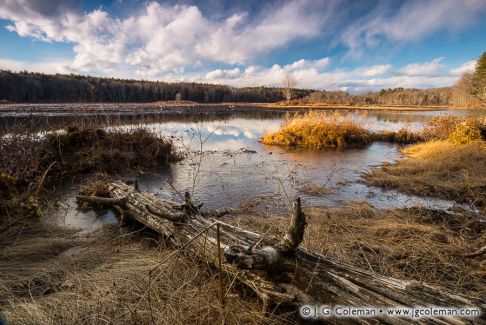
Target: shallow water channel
[{"x": 226, "y": 165}]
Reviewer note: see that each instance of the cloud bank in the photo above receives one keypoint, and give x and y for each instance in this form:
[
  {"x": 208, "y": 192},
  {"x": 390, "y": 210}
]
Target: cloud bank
[{"x": 179, "y": 42}]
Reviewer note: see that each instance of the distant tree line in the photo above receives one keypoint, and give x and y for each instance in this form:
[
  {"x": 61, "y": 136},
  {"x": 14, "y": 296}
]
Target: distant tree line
[
  {"x": 463, "y": 93},
  {"x": 469, "y": 90},
  {"x": 27, "y": 87},
  {"x": 395, "y": 96}
]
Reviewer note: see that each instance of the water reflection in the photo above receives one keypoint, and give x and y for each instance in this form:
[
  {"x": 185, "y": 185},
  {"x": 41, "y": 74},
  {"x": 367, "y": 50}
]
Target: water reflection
[
  {"x": 63, "y": 209},
  {"x": 235, "y": 167},
  {"x": 227, "y": 175}
]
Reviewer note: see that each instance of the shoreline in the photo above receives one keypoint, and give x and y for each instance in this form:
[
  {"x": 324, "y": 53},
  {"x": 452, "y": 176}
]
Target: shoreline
[{"x": 173, "y": 108}]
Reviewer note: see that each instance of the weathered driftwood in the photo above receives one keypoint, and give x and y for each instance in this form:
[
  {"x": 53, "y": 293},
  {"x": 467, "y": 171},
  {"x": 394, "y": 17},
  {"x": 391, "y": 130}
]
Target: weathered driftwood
[
  {"x": 102, "y": 200},
  {"x": 278, "y": 271}
]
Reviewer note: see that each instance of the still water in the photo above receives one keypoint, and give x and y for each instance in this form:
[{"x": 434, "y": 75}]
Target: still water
[{"x": 226, "y": 165}]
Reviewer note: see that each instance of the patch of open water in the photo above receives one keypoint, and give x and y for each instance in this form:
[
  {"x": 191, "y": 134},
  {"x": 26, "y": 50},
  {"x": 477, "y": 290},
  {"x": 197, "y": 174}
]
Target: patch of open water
[{"x": 232, "y": 166}]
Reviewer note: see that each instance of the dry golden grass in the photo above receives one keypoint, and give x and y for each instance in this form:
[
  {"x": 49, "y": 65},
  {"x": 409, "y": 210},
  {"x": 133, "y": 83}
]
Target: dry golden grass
[
  {"x": 318, "y": 130},
  {"x": 438, "y": 168},
  {"x": 49, "y": 275},
  {"x": 456, "y": 129},
  {"x": 325, "y": 130},
  {"x": 414, "y": 243},
  {"x": 402, "y": 136},
  {"x": 314, "y": 189},
  {"x": 105, "y": 280}
]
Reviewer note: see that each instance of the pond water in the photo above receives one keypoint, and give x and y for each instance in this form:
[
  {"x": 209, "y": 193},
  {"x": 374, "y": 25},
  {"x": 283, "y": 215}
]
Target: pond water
[{"x": 227, "y": 166}]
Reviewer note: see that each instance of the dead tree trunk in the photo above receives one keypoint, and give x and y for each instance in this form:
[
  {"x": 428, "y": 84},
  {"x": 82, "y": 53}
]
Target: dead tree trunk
[{"x": 279, "y": 272}]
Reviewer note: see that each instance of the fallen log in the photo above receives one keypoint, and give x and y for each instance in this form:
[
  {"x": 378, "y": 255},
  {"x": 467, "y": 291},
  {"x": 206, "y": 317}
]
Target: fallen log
[{"x": 278, "y": 271}]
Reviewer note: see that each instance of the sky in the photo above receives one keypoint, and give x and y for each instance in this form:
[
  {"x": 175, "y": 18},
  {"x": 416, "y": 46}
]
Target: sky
[{"x": 356, "y": 46}]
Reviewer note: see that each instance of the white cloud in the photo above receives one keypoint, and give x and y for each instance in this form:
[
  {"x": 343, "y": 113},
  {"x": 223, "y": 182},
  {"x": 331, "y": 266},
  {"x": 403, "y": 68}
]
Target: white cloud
[
  {"x": 362, "y": 79},
  {"x": 468, "y": 66},
  {"x": 223, "y": 74},
  {"x": 44, "y": 67},
  {"x": 306, "y": 64},
  {"x": 308, "y": 75},
  {"x": 431, "y": 68},
  {"x": 176, "y": 42},
  {"x": 161, "y": 39},
  {"x": 413, "y": 21},
  {"x": 377, "y": 70}
]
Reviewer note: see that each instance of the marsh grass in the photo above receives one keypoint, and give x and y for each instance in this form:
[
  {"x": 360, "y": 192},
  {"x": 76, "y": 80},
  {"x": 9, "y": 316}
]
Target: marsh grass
[
  {"x": 30, "y": 158},
  {"x": 32, "y": 161},
  {"x": 18, "y": 212},
  {"x": 324, "y": 130},
  {"x": 459, "y": 130},
  {"x": 411, "y": 243},
  {"x": 105, "y": 279},
  {"x": 315, "y": 189},
  {"x": 438, "y": 168},
  {"x": 317, "y": 130},
  {"x": 403, "y": 136}
]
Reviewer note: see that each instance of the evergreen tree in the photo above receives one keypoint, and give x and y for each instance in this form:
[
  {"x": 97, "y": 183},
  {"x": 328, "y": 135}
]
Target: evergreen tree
[{"x": 479, "y": 79}]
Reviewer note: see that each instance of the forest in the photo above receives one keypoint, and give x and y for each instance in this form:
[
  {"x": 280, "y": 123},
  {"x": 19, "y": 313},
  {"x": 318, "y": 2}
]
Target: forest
[
  {"x": 460, "y": 94},
  {"x": 29, "y": 87}
]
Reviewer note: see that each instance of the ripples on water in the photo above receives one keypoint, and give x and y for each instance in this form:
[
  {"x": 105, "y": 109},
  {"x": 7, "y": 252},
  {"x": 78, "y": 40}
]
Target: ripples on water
[{"x": 235, "y": 167}]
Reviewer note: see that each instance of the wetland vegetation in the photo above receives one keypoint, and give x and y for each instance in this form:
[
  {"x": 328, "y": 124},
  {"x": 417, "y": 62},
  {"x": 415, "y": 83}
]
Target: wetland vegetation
[
  {"x": 394, "y": 193},
  {"x": 99, "y": 267}
]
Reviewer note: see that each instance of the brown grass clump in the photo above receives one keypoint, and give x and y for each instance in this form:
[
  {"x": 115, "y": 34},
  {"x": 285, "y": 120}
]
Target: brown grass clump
[
  {"x": 314, "y": 189},
  {"x": 413, "y": 243},
  {"x": 317, "y": 130},
  {"x": 31, "y": 158},
  {"x": 402, "y": 136},
  {"x": 105, "y": 279},
  {"x": 459, "y": 130},
  {"x": 17, "y": 211},
  {"x": 438, "y": 168}
]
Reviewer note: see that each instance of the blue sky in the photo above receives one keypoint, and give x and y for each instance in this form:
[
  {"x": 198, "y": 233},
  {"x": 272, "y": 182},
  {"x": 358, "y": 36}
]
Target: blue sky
[{"x": 324, "y": 44}]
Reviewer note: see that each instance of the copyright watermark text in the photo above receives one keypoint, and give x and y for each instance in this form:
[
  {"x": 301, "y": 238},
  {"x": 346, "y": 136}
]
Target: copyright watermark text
[{"x": 338, "y": 311}]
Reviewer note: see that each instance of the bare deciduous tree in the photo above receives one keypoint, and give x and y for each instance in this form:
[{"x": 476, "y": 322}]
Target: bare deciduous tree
[
  {"x": 288, "y": 85},
  {"x": 461, "y": 91}
]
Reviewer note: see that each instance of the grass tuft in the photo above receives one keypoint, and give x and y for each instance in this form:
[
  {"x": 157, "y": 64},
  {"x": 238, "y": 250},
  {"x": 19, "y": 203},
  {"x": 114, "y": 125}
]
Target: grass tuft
[
  {"x": 402, "y": 136},
  {"x": 459, "y": 130},
  {"x": 317, "y": 130},
  {"x": 35, "y": 159}
]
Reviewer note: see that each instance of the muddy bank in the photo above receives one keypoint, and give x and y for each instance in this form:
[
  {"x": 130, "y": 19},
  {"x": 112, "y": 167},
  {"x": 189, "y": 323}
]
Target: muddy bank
[{"x": 68, "y": 278}]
